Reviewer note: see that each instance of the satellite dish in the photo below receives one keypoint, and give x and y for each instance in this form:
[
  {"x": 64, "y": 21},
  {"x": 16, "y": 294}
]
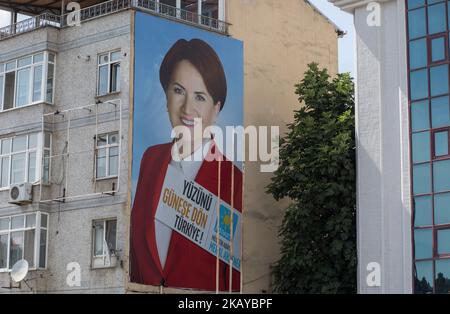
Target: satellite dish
[{"x": 19, "y": 271}]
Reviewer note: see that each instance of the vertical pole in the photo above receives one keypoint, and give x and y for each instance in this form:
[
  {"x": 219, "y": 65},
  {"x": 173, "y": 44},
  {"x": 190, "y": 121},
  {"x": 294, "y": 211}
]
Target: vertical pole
[
  {"x": 67, "y": 154},
  {"x": 231, "y": 227},
  {"x": 218, "y": 224}
]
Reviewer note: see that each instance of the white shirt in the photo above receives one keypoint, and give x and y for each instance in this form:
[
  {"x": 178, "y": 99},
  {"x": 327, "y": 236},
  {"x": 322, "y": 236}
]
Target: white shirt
[{"x": 189, "y": 167}]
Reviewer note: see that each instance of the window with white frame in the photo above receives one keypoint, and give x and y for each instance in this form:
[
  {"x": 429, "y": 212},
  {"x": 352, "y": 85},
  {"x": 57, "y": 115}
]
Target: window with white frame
[
  {"x": 209, "y": 8},
  {"x": 46, "y": 160},
  {"x": 23, "y": 237},
  {"x": 104, "y": 243},
  {"x": 28, "y": 80},
  {"x": 108, "y": 76},
  {"x": 20, "y": 158},
  {"x": 107, "y": 155}
]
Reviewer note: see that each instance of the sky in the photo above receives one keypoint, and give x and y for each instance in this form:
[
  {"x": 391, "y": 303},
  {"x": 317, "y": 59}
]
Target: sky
[
  {"x": 346, "y": 44},
  {"x": 340, "y": 18}
]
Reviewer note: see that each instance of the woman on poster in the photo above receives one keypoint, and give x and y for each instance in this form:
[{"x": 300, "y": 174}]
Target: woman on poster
[{"x": 195, "y": 86}]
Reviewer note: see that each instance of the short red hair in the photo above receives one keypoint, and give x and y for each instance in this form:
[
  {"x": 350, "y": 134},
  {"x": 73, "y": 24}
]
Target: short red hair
[{"x": 203, "y": 57}]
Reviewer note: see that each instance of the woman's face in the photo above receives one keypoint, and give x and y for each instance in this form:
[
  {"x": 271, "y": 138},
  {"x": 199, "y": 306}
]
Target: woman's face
[{"x": 188, "y": 98}]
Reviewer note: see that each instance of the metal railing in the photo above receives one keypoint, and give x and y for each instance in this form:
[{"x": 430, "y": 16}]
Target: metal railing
[
  {"x": 110, "y": 7},
  {"x": 30, "y": 24}
]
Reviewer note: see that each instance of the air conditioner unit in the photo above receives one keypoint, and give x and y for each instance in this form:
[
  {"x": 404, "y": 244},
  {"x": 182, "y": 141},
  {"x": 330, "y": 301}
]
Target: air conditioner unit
[{"x": 21, "y": 194}]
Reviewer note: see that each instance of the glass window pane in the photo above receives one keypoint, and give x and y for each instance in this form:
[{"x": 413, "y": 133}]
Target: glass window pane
[
  {"x": 113, "y": 138},
  {"x": 115, "y": 77},
  {"x": 10, "y": 82},
  {"x": 10, "y": 65},
  {"x": 38, "y": 58},
  {"x": 424, "y": 278},
  {"x": 6, "y": 146},
  {"x": 17, "y": 222},
  {"x": 19, "y": 144},
  {"x": 102, "y": 59},
  {"x": 46, "y": 170},
  {"x": 443, "y": 238},
  {"x": 103, "y": 80},
  {"x": 32, "y": 141},
  {"x": 1, "y": 92},
  {"x": 51, "y": 57},
  {"x": 113, "y": 161},
  {"x": 417, "y": 23},
  {"x": 23, "y": 62},
  {"x": 423, "y": 243},
  {"x": 111, "y": 227},
  {"x": 419, "y": 84},
  {"x": 43, "y": 249},
  {"x": 18, "y": 168},
  {"x": 439, "y": 80},
  {"x": 3, "y": 251},
  {"x": 441, "y": 144},
  {"x": 443, "y": 276},
  {"x": 423, "y": 211},
  {"x": 44, "y": 222},
  {"x": 29, "y": 247},
  {"x": 32, "y": 167},
  {"x": 421, "y": 147},
  {"x": 438, "y": 49},
  {"x": 102, "y": 140},
  {"x": 37, "y": 83},
  {"x": 98, "y": 238},
  {"x": 440, "y": 112},
  {"x": 50, "y": 82},
  {"x": 23, "y": 87},
  {"x": 115, "y": 56},
  {"x": 422, "y": 179},
  {"x": 418, "y": 53},
  {"x": 4, "y": 182},
  {"x": 420, "y": 117},
  {"x": 442, "y": 208},
  {"x": 436, "y": 18},
  {"x": 101, "y": 164},
  {"x": 4, "y": 224},
  {"x": 16, "y": 248},
  {"x": 441, "y": 172},
  {"x": 47, "y": 140},
  {"x": 30, "y": 221},
  {"x": 412, "y": 4}
]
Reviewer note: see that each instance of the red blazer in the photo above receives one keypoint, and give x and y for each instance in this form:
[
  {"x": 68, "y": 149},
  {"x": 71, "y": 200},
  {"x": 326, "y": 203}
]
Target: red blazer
[{"x": 187, "y": 265}]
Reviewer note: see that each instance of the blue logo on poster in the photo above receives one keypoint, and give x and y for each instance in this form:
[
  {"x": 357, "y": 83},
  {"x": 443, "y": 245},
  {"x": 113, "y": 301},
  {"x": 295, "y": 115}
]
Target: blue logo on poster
[{"x": 225, "y": 223}]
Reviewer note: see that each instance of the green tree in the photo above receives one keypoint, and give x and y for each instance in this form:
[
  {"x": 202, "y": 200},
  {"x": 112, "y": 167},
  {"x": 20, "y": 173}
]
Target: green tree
[{"x": 317, "y": 172}]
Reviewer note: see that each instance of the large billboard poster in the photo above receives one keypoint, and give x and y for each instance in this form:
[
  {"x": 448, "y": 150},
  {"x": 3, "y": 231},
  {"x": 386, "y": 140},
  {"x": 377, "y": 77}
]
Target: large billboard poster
[{"x": 186, "y": 216}]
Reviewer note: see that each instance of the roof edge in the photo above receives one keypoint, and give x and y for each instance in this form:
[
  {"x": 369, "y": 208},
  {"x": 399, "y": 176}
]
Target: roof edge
[{"x": 340, "y": 32}]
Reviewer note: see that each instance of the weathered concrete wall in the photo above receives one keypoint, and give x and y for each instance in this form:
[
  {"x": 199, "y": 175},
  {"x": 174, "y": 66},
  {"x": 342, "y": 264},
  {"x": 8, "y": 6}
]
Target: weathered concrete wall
[
  {"x": 280, "y": 39},
  {"x": 70, "y": 223}
]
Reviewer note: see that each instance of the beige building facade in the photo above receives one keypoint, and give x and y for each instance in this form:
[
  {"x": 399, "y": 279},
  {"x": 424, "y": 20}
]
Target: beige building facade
[{"x": 279, "y": 37}]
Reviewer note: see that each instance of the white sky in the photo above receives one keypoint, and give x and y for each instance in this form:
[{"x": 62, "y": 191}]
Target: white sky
[{"x": 340, "y": 18}]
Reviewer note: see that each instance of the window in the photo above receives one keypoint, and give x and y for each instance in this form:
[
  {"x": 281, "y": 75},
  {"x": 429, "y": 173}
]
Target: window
[
  {"x": 22, "y": 81},
  {"x": 46, "y": 158},
  {"x": 108, "y": 73},
  {"x": 419, "y": 84},
  {"x": 436, "y": 18},
  {"x": 20, "y": 159},
  {"x": 23, "y": 237},
  {"x": 439, "y": 80},
  {"x": 104, "y": 243},
  {"x": 107, "y": 152},
  {"x": 437, "y": 46}
]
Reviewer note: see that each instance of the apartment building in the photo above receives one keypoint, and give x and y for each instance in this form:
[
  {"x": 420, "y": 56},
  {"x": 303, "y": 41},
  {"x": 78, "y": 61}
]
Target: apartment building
[{"x": 67, "y": 92}]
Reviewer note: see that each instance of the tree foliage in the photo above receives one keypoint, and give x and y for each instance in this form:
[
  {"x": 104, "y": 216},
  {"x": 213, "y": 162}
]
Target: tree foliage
[{"x": 317, "y": 172}]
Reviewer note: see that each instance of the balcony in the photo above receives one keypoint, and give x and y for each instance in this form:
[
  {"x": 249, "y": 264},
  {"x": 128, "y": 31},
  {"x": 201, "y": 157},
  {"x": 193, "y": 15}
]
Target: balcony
[{"x": 110, "y": 7}]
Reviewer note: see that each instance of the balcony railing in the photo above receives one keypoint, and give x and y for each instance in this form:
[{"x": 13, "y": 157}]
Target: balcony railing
[{"x": 109, "y": 7}]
